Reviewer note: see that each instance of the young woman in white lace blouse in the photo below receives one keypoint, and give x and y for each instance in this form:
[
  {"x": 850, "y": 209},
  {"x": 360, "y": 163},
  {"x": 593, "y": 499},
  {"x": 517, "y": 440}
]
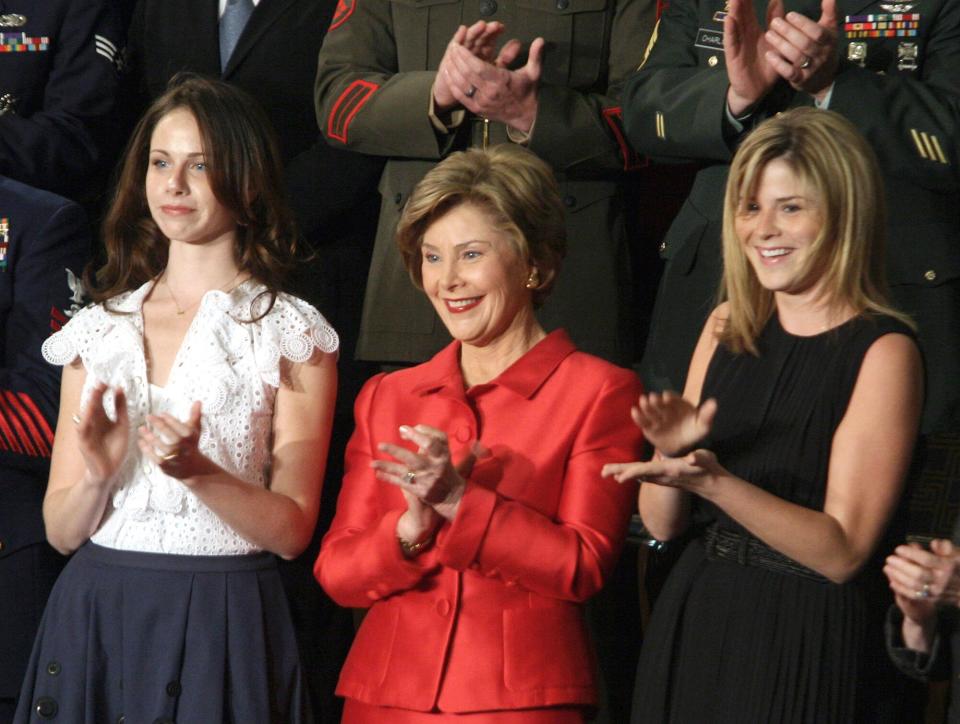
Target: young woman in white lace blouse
[{"x": 196, "y": 407}]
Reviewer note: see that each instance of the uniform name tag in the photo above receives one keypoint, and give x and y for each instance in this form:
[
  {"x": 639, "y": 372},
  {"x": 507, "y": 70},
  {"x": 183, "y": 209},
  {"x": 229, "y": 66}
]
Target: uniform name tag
[
  {"x": 23, "y": 43},
  {"x": 709, "y": 39}
]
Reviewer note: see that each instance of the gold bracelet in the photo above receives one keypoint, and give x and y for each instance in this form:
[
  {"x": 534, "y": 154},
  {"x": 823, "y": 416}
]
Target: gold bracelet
[{"x": 412, "y": 550}]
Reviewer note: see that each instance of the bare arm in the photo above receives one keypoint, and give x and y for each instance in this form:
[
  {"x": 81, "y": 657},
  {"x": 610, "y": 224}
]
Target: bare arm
[
  {"x": 665, "y": 511},
  {"x": 868, "y": 462},
  {"x": 85, "y": 457},
  {"x": 281, "y": 517}
]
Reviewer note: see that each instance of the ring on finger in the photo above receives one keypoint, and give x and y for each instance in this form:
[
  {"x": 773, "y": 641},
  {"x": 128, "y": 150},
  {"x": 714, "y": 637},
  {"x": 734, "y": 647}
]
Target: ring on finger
[
  {"x": 471, "y": 91},
  {"x": 805, "y": 63},
  {"x": 76, "y": 418},
  {"x": 409, "y": 477},
  {"x": 170, "y": 456}
]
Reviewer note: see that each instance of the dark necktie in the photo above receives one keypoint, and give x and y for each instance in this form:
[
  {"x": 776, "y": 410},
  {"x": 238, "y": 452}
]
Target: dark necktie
[{"x": 232, "y": 22}]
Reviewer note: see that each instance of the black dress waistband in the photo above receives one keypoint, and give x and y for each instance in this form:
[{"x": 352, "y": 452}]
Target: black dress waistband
[{"x": 742, "y": 548}]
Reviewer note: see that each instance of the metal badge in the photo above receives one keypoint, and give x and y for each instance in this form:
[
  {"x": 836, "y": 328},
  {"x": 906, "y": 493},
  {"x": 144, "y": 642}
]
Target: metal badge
[
  {"x": 721, "y": 15},
  {"x": 907, "y": 54},
  {"x": 857, "y": 52},
  {"x": 8, "y": 103},
  {"x": 12, "y": 20},
  {"x": 897, "y": 7}
]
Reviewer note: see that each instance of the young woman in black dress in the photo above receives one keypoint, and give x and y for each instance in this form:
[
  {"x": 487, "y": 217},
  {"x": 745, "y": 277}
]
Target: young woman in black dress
[{"x": 788, "y": 449}]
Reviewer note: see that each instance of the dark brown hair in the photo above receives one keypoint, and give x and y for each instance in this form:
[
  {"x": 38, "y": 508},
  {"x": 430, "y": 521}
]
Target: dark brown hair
[{"x": 243, "y": 161}]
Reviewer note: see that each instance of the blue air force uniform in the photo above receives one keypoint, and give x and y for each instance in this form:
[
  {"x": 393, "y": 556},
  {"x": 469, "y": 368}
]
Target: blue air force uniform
[
  {"x": 58, "y": 83},
  {"x": 44, "y": 244}
]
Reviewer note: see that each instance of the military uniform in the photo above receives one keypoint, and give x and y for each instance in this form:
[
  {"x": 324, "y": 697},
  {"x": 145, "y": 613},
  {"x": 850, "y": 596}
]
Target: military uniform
[
  {"x": 42, "y": 236},
  {"x": 58, "y": 84},
  {"x": 374, "y": 82},
  {"x": 899, "y": 83}
]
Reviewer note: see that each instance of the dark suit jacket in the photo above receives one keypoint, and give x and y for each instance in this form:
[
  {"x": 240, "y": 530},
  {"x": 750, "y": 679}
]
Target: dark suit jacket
[
  {"x": 45, "y": 236},
  {"x": 57, "y": 98},
  {"x": 674, "y": 107}
]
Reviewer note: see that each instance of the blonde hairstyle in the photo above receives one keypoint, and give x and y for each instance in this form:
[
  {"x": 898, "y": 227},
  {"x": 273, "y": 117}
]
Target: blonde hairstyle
[
  {"x": 840, "y": 174},
  {"x": 510, "y": 183}
]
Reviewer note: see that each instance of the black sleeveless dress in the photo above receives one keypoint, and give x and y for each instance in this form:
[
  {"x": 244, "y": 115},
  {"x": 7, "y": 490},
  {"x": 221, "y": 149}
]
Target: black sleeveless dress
[{"x": 741, "y": 633}]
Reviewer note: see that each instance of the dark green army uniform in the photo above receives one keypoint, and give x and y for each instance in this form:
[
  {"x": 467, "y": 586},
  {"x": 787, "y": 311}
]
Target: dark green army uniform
[
  {"x": 901, "y": 90},
  {"x": 376, "y": 72}
]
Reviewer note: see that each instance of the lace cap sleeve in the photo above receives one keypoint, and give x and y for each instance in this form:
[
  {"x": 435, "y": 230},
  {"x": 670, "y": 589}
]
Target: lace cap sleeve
[
  {"x": 291, "y": 329},
  {"x": 77, "y": 338}
]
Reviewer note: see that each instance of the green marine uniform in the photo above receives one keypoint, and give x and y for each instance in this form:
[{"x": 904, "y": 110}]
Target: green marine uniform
[{"x": 374, "y": 82}]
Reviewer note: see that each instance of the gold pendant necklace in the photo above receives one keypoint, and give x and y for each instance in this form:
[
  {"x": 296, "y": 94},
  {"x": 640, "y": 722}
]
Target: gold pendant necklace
[{"x": 183, "y": 310}]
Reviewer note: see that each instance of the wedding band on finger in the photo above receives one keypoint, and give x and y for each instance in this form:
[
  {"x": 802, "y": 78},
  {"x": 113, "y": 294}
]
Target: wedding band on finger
[
  {"x": 471, "y": 91},
  {"x": 409, "y": 477},
  {"x": 805, "y": 63},
  {"x": 922, "y": 593},
  {"x": 169, "y": 456}
]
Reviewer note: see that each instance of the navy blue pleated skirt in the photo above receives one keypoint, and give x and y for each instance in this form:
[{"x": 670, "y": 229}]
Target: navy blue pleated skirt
[{"x": 148, "y": 637}]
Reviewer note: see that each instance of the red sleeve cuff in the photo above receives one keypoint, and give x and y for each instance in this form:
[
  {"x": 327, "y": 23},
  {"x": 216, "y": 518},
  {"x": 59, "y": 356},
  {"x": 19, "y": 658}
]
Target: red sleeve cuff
[{"x": 461, "y": 543}]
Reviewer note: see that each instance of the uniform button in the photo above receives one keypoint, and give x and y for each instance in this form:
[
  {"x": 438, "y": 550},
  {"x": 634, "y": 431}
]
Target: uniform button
[
  {"x": 569, "y": 201},
  {"x": 443, "y": 607},
  {"x": 463, "y": 434},
  {"x": 174, "y": 688},
  {"x": 46, "y": 707},
  {"x": 53, "y": 668},
  {"x": 663, "y": 246},
  {"x": 397, "y": 197},
  {"x": 563, "y": 4},
  {"x": 930, "y": 275},
  {"x": 712, "y": 61},
  {"x": 488, "y": 7}
]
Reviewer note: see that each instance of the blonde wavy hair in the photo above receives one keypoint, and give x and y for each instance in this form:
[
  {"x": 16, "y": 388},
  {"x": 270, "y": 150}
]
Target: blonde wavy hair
[{"x": 840, "y": 173}]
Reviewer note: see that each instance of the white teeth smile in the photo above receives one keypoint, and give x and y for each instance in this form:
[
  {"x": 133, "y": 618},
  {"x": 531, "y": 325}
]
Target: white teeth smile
[
  {"x": 460, "y": 303},
  {"x": 770, "y": 253}
]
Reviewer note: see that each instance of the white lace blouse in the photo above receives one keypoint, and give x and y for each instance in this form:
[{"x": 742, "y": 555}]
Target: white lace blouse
[{"x": 231, "y": 365}]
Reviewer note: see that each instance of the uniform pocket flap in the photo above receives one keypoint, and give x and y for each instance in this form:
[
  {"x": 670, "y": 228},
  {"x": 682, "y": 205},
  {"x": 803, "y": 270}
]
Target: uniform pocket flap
[{"x": 563, "y": 7}]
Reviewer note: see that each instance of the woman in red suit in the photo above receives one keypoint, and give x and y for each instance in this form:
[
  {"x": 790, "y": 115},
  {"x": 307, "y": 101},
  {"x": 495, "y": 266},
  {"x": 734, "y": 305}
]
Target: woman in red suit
[{"x": 473, "y": 519}]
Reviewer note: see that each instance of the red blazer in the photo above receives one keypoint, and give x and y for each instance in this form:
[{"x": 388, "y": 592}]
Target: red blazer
[{"x": 489, "y": 617}]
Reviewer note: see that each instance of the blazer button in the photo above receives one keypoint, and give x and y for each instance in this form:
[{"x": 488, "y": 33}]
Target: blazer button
[
  {"x": 930, "y": 275},
  {"x": 46, "y": 707},
  {"x": 174, "y": 689},
  {"x": 488, "y": 7},
  {"x": 464, "y": 433},
  {"x": 53, "y": 668},
  {"x": 443, "y": 607}
]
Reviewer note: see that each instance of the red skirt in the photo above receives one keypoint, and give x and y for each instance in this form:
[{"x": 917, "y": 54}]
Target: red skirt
[{"x": 356, "y": 712}]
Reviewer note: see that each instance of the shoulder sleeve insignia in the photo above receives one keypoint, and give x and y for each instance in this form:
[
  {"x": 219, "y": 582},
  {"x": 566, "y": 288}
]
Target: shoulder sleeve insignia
[
  {"x": 347, "y": 106},
  {"x": 342, "y": 13}
]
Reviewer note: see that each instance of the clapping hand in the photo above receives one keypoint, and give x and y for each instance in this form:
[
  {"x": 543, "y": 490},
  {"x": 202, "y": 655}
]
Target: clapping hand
[
  {"x": 103, "y": 442},
  {"x": 429, "y": 474},
  {"x": 693, "y": 472},
  {"x": 173, "y": 445},
  {"x": 747, "y": 50},
  {"x": 921, "y": 580},
  {"x": 804, "y": 51},
  {"x": 671, "y": 423}
]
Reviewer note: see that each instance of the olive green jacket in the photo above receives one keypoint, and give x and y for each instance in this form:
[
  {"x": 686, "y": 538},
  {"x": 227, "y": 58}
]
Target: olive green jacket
[
  {"x": 902, "y": 92},
  {"x": 376, "y": 72}
]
